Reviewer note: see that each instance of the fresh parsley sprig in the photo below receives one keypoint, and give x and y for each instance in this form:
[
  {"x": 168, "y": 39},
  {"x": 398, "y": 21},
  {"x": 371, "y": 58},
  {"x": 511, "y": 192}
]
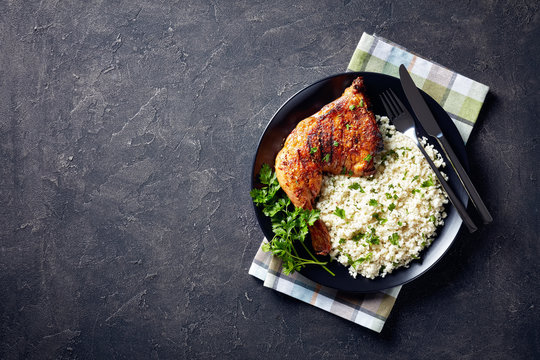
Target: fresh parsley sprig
[{"x": 290, "y": 224}]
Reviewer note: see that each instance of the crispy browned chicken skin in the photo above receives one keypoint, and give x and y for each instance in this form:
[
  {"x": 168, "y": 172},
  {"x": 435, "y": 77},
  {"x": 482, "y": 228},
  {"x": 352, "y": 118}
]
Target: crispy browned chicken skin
[{"x": 341, "y": 138}]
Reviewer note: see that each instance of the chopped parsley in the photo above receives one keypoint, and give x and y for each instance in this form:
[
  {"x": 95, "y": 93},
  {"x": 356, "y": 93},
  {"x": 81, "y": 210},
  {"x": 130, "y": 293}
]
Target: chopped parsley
[
  {"x": 428, "y": 182},
  {"x": 392, "y": 206},
  {"x": 405, "y": 174},
  {"x": 358, "y": 261},
  {"x": 352, "y": 107},
  {"x": 400, "y": 223},
  {"x": 373, "y": 202},
  {"x": 347, "y": 126},
  {"x": 368, "y": 157},
  {"x": 414, "y": 191},
  {"x": 358, "y": 236},
  {"x": 356, "y": 186},
  {"x": 388, "y": 196},
  {"x": 372, "y": 238},
  {"x": 313, "y": 150},
  {"x": 340, "y": 213},
  {"x": 361, "y": 102},
  {"x": 336, "y": 143},
  {"x": 378, "y": 217},
  {"x": 393, "y": 238},
  {"x": 326, "y": 158},
  {"x": 415, "y": 178},
  {"x": 390, "y": 153}
]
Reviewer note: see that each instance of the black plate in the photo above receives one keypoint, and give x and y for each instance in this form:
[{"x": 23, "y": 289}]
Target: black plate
[{"x": 310, "y": 100}]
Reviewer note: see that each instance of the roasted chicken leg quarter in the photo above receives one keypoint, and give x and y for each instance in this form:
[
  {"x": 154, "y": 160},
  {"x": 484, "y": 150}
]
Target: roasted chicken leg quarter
[{"x": 341, "y": 138}]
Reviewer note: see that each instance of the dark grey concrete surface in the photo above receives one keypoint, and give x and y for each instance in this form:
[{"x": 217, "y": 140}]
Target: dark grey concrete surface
[{"x": 127, "y": 131}]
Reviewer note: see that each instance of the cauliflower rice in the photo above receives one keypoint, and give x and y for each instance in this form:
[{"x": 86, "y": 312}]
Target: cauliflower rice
[{"x": 382, "y": 222}]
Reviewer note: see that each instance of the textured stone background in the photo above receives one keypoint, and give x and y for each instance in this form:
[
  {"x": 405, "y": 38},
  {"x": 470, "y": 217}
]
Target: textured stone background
[{"x": 127, "y": 130}]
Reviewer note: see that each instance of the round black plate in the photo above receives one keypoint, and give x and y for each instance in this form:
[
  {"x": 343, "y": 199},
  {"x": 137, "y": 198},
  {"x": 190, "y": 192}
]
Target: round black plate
[{"x": 310, "y": 100}]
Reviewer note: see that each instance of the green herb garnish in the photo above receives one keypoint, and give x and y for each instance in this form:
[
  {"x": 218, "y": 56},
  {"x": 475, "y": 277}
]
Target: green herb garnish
[
  {"x": 389, "y": 153},
  {"x": 368, "y": 157},
  {"x": 358, "y": 261},
  {"x": 372, "y": 238},
  {"x": 339, "y": 212},
  {"x": 336, "y": 143},
  {"x": 358, "y": 236},
  {"x": 289, "y": 223},
  {"x": 352, "y": 107},
  {"x": 393, "y": 238},
  {"x": 313, "y": 150},
  {"x": 378, "y": 217},
  {"x": 392, "y": 206},
  {"x": 356, "y": 186},
  {"x": 373, "y": 202},
  {"x": 428, "y": 182},
  {"x": 326, "y": 158}
]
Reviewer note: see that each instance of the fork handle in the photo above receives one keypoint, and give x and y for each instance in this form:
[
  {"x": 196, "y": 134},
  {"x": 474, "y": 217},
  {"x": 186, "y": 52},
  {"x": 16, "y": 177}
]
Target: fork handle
[{"x": 451, "y": 195}]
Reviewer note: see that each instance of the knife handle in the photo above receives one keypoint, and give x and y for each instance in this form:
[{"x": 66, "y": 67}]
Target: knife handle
[
  {"x": 462, "y": 211},
  {"x": 465, "y": 181}
]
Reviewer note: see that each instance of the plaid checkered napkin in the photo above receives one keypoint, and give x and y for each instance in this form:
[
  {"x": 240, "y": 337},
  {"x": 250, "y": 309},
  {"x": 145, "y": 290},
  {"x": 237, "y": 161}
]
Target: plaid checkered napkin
[
  {"x": 369, "y": 310},
  {"x": 461, "y": 97}
]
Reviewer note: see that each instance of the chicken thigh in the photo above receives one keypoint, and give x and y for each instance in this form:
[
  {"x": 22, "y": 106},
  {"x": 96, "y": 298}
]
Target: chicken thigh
[{"x": 341, "y": 138}]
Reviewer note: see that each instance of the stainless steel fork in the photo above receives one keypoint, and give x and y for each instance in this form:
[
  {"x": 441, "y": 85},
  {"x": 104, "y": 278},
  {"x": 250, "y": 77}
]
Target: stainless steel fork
[{"x": 403, "y": 121}]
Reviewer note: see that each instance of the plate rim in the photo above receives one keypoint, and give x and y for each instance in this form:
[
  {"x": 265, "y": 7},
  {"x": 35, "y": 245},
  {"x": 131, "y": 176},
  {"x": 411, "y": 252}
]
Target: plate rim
[{"x": 254, "y": 181}]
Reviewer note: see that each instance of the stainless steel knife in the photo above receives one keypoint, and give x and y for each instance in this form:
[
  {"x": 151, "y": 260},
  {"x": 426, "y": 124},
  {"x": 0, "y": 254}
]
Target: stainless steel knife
[{"x": 429, "y": 123}]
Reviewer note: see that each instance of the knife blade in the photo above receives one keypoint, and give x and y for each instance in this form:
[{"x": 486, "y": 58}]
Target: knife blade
[{"x": 429, "y": 123}]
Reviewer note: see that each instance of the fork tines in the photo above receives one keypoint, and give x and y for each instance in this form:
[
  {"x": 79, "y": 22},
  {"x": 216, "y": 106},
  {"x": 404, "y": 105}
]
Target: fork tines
[{"x": 393, "y": 106}]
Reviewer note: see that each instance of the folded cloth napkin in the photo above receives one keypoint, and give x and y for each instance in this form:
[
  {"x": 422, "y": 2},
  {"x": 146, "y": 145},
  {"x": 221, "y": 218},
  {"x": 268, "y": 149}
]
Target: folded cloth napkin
[{"x": 460, "y": 96}]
